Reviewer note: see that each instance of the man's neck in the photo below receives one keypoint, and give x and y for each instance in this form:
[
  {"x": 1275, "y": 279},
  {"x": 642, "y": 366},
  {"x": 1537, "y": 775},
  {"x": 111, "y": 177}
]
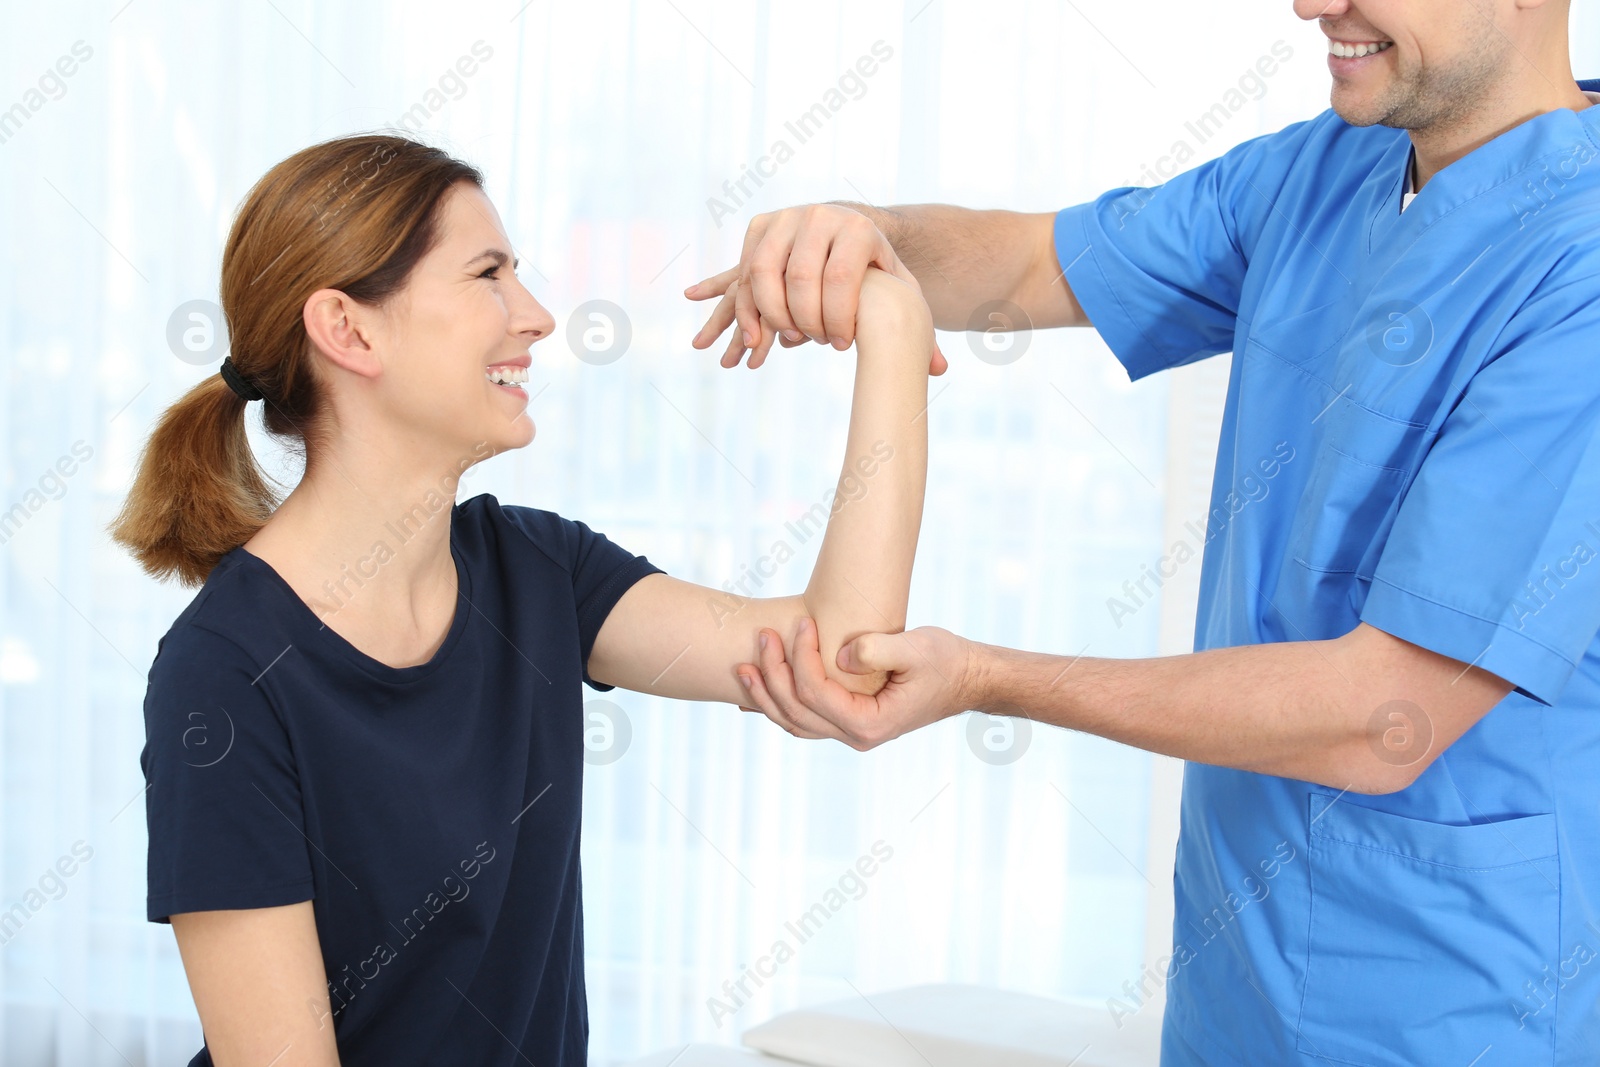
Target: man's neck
[{"x": 1437, "y": 148}]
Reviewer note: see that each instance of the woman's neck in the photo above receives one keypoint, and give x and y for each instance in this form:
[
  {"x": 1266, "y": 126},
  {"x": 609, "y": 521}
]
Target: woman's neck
[{"x": 372, "y": 548}]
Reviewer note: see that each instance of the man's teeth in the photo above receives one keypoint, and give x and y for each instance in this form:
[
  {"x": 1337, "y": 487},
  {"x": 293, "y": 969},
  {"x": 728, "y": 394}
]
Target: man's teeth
[
  {"x": 507, "y": 375},
  {"x": 1355, "y": 51}
]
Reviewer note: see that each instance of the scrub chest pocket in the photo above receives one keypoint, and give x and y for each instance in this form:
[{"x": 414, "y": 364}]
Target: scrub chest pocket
[
  {"x": 1363, "y": 460},
  {"x": 1423, "y": 934}
]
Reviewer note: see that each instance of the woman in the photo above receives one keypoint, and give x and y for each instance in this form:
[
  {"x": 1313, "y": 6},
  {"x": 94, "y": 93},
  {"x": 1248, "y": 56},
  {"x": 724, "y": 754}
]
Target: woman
[{"x": 364, "y": 734}]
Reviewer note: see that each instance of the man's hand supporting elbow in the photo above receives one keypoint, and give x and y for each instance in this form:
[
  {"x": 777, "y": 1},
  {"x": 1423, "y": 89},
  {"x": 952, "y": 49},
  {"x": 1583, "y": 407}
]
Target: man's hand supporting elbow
[{"x": 1366, "y": 712}]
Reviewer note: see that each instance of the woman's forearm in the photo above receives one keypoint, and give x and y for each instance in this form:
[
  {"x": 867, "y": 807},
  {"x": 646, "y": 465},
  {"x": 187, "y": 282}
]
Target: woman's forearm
[
  {"x": 678, "y": 639},
  {"x": 862, "y": 580}
]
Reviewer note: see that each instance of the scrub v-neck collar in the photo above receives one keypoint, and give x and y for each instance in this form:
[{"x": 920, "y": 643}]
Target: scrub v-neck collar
[{"x": 1493, "y": 163}]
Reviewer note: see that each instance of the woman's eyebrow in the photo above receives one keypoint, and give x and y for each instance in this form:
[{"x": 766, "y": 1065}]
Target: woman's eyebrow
[{"x": 497, "y": 255}]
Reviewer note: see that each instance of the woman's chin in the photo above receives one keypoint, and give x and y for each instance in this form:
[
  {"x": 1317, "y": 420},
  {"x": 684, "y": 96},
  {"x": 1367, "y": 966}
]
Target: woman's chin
[
  {"x": 514, "y": 425},
  {"x": 521, "y": 432}
]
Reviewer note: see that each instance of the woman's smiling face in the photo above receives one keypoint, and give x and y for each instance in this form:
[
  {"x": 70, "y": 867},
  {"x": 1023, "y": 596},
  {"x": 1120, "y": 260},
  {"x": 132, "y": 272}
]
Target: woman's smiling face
[{"x": 463, "y": 311}]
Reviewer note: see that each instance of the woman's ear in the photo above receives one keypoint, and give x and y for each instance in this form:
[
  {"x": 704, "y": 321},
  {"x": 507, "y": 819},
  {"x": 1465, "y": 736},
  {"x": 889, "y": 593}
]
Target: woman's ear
[{"x": 342, "y": 329}]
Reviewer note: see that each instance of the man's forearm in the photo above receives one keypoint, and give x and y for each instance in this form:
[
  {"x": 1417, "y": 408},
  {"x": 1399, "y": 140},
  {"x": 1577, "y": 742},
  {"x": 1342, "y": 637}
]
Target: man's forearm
[
  {"x": 964, "y": 258},
  {"x": 1289, "y": 709}
]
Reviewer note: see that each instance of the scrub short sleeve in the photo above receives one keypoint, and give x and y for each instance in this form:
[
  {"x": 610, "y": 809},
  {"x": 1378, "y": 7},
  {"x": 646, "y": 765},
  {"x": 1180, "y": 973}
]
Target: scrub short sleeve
[
  {"x": 222, "y": 797},
  {"x": 1494, "y": 555},
  {"x": 601, "y": 570},
  {"x": 1160, "y": 271}
]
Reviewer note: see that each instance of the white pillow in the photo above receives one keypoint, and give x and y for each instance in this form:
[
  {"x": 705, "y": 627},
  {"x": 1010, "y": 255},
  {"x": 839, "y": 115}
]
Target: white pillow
[{"x": 959, "y": 1026}]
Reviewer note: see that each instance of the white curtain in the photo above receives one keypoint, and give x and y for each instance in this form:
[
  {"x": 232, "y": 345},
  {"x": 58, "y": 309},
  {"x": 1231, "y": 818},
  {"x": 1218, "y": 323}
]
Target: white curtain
[{"x": 607, "y": 130}]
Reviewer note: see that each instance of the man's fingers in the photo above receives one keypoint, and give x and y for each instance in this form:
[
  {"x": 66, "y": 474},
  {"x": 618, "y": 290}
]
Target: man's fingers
[
  {"x": 841, "y": 289},
  {"x": 766, "y": 705},
  {"x": 736, "y": 338},
  {"x": 809, "y": 676},
  {"x": 748, "y": 314},
  {"x": 715, "y": 285},
  {"x": 832, "y": 701},
  {"x": 893, "y": 264},
  {"x": 764, "y": 345},
  {"x": 755, "y": 235},
  {"x": 720, "y": 317},
  {"x": 777, "y": 679},
  {"x": 874, "y": 653},
  {"x": 887, "y": 260},
  {"x": 735, "y": 350},
  {"x": 802, "y": 280},
  {"x": 765, "y": 264}
]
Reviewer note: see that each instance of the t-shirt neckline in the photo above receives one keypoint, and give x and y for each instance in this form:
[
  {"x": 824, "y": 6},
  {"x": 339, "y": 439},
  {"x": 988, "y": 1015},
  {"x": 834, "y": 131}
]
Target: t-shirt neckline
[{"x": 330, "y": 639}]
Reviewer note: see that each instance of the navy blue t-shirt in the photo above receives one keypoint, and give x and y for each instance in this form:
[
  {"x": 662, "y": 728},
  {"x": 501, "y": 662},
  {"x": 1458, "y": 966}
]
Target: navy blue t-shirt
[{"x": 431, "y": 812}]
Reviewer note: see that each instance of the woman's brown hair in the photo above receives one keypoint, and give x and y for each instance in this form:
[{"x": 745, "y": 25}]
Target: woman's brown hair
[{"x": 353, "y": 214}]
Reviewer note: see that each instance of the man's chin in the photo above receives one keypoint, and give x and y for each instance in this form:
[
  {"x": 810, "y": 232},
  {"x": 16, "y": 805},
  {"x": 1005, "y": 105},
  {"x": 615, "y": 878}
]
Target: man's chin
[{"x": 1357, "y": 109}]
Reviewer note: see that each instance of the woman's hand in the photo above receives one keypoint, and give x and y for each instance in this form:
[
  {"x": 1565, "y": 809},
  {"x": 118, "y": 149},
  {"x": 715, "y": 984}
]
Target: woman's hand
[
  {"x": 801, "y": 270},
  {"x": 933, "y": 674}
]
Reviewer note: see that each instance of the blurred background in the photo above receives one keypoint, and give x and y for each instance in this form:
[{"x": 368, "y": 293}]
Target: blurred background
[{"x": 627, "y": 146}]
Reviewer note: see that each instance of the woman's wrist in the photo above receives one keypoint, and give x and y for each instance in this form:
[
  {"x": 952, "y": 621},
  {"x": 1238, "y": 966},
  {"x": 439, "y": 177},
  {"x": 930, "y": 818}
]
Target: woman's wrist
[{"x": 892, "y": 319}]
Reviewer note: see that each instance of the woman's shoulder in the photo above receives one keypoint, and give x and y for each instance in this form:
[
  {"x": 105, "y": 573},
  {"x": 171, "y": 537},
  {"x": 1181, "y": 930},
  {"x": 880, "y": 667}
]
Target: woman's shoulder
[
  {"x": 233, "y": 604},
  {"x": 564, "y": 542}
]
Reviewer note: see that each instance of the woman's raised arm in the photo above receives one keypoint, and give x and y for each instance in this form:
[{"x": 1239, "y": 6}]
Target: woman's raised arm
[{"x": 674, "y": 638}]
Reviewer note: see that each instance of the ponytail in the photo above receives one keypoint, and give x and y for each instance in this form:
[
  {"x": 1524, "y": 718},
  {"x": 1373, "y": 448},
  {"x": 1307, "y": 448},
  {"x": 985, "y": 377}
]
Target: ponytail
[{"x": 198, "y": 492}]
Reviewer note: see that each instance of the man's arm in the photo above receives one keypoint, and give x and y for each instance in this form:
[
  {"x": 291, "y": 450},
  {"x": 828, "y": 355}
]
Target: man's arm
[
  {"x": 964, "y": 258},
  {"x": 1367, "y": 711},
  {"x": 801, "y": 270}
]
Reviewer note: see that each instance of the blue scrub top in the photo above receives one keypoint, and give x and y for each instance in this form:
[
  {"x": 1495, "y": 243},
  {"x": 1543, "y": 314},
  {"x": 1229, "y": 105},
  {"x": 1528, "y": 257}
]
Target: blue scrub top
[{"x": 1411, "y": 440}]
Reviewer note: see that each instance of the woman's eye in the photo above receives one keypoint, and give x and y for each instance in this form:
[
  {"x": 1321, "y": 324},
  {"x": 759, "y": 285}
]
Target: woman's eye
[{"x": 490, "y": 273}]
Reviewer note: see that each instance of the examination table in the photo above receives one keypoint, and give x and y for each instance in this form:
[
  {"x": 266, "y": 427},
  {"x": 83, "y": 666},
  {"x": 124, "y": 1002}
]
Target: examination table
[{"x": 938, "y": 1026}]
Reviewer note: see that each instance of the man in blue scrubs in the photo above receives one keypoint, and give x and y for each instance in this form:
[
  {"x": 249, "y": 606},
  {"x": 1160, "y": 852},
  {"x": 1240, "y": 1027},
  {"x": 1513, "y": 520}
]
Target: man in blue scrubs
[{"x": 1393, "y": 712}]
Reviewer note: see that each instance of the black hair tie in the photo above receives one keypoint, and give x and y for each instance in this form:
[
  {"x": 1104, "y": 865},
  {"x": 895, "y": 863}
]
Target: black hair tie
[{"x": 230, "y": 374}]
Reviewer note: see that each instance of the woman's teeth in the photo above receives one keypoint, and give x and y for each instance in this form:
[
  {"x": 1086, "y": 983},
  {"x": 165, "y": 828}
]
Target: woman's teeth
[
  {"x": 507, "y": 375},
  {"x": 1356, "y": 51}
]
